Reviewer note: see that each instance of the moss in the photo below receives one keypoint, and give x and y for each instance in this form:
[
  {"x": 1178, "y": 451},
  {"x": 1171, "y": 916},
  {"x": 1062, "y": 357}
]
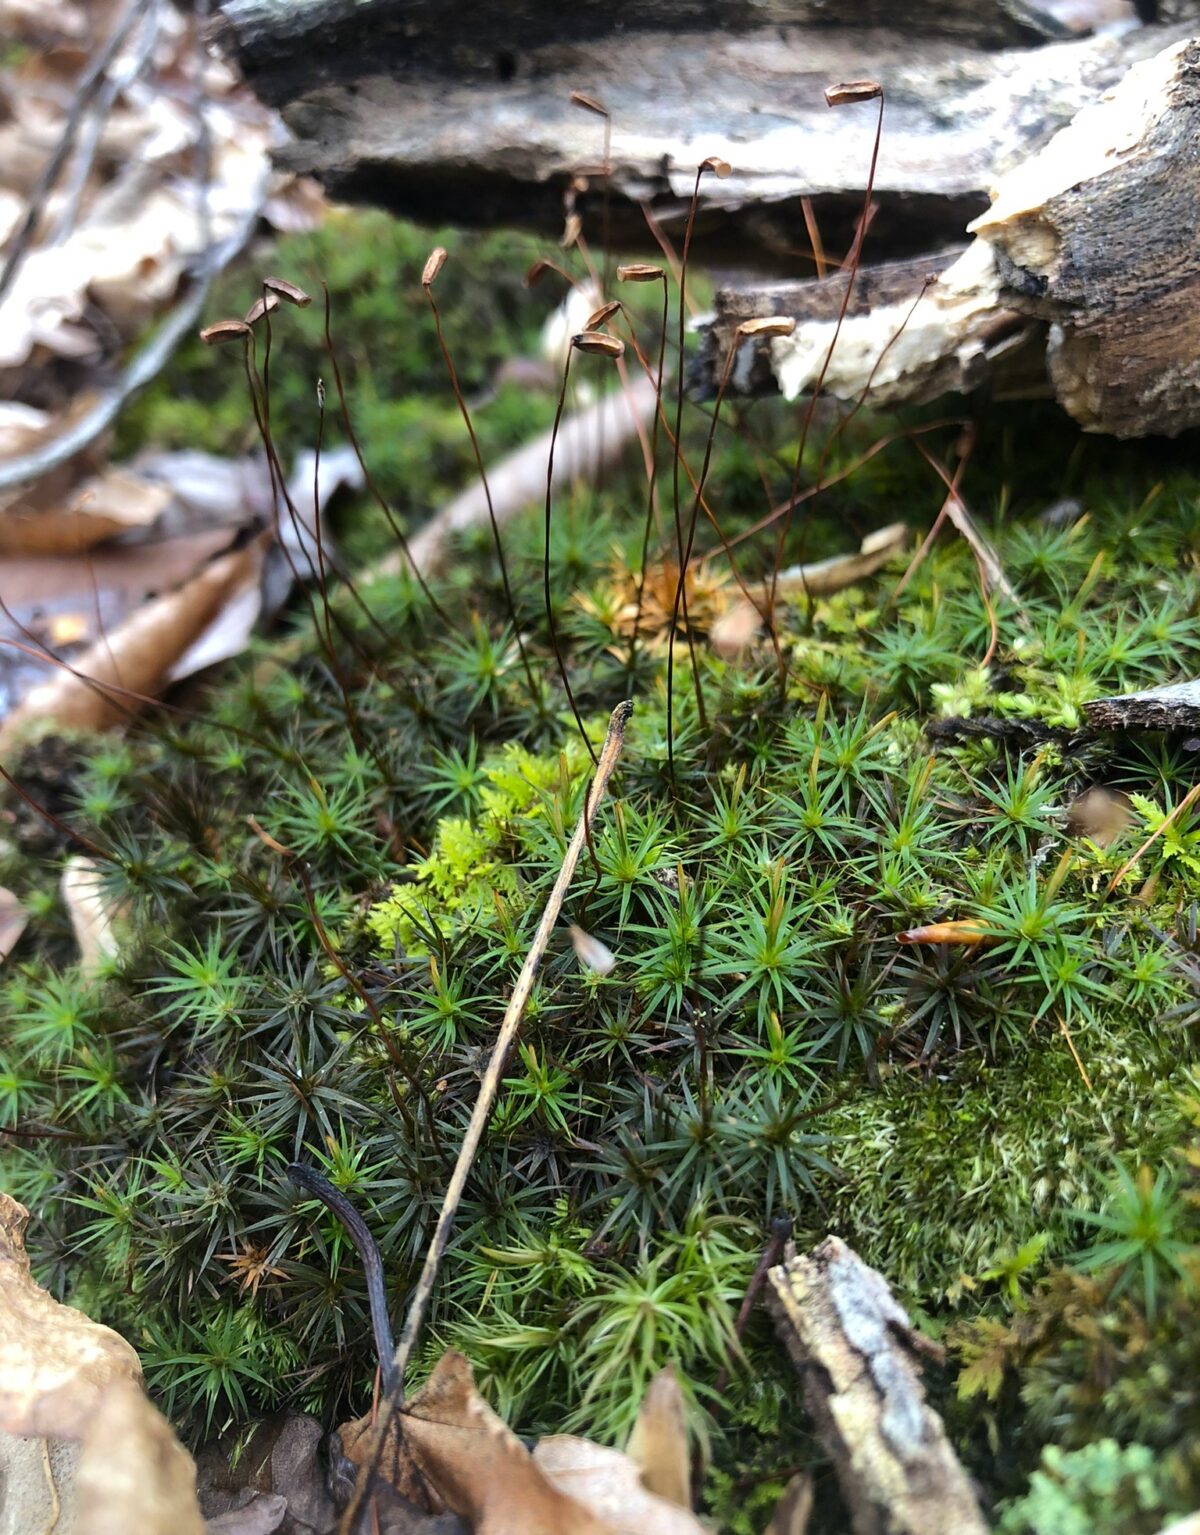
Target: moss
[
  {"x": 943, "y": 1176},
  {"x": 763, "y": 1041}
]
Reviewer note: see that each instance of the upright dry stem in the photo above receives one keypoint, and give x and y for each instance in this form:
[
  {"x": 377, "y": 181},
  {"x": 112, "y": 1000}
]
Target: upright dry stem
[{"x": 488, "y": 1090}]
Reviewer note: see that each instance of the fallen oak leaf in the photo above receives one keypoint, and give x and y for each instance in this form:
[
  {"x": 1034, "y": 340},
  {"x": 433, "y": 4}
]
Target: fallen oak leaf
[
  {"x": 609, "y": 1483},
  {"x": 658, "y": 1445},
  {"x": 135, "y": 661},
  {"x": 110, "y": 503},
  {"x": 55, "y": 1362},
  {"x": 479, "y": 1466}
]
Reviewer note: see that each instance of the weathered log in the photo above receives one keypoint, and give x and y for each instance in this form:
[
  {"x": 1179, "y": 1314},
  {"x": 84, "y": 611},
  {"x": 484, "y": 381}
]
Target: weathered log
[
  {"x": 287, "y": 46},
  {"x": 1089, "y": 243},
  {"x": 856, "y": 1352},
  {"x": 393, "y": 103}
]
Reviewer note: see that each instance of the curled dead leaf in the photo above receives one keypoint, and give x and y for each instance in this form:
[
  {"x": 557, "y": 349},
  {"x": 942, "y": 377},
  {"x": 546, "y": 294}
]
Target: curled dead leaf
[
  {"x": 55, "y": 1363},
  {"x": 140, "y": 655},
  {"x": 610, "y": 1485},
  {"x": 963, "y": 932},
  {"x": 479, "y": 1466},
  {"x": 134, "y": 1476},
  {"x": 112, "y": 502},
  {"x": 658, "y": 1445}
]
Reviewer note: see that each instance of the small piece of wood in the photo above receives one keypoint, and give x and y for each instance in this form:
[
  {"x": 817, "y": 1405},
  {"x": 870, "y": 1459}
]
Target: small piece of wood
[
  {"x": 1170, "y": 708},
  {"x": 855, "y": 1350}
]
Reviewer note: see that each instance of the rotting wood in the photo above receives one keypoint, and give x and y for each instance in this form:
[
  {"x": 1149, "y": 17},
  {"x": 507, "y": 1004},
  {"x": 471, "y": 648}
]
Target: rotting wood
[
  {"x": 486, "y": 132},
  {"x": 1084, "y": 249},
  {"x": 856, "y": 1352}
]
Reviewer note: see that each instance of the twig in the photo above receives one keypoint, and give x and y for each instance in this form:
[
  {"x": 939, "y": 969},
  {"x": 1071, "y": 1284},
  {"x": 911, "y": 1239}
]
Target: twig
[
  {"x": 150, "y": 361},
  {"x": 313, "y": 1182},
  {"x": 488, "y": 1089},
  {"x": 1183, "y": 804}
]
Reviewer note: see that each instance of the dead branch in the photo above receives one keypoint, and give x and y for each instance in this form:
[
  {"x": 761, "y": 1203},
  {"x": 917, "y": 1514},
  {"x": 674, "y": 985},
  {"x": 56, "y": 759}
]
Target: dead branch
[
  {"x": 1082, "y": 258},
  {"x": 390, "y": 106},
  {"x": 587, "y": 443},
  {"x": 145, "y": 365},
  {"x": 1176, "y": 707},
  {"x": 856, "y": 1352}
]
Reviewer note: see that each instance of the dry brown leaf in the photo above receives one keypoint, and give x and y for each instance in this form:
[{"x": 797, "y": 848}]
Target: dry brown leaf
[
  {"x": 736, "y": 628},
  {"x": 13, "y": 921},
  {"x": 55, "y": 1363},
  {"x": 658, "y": 1445},
  {"x": 134, "y": 1476},
  {"x": 395, "y": 1465},
  {"x": 609, "y": 1484},
  {"x": 92, "y": 917},
  {"x": 138, "y": 657},
  {"x": 481, "y": 1469},
  {"x": 110, "y": 503},
  {"x": 590, "y": 952}
]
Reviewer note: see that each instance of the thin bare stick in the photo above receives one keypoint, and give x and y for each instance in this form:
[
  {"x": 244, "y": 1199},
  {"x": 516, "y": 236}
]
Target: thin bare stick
[{"x": 488, "y": 1090}]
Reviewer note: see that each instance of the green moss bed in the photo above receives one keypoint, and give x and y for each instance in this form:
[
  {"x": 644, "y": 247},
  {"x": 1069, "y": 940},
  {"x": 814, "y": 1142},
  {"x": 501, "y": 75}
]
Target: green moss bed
[{"x": 1007, "y": 1130}]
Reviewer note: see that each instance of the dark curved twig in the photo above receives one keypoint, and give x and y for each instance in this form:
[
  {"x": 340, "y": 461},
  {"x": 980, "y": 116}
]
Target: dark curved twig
[{"x": 316, "y": 1184}]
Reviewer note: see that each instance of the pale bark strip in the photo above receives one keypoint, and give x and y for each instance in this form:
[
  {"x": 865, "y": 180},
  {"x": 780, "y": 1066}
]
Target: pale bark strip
[
  {"x": 1084, "y": 254},
  {"x": 1175, "y": 707},
  {"x": 855, "y": 1348}
]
